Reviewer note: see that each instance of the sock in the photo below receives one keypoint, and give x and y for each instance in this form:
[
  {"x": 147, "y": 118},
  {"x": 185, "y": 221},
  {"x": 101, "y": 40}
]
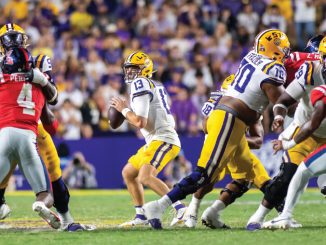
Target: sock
[
  {"x": 218, "y": 206},
  {"x": 164, "y": 202},
  {"x": 295, "y": 190},
  {"x": 176, "y": 194},
  {"x": 60, "y": 195},
  {"x": 66, "y": 218},
  {"x": 194, "y": 206},
  {"x": 259, "y": 215},
  {"x": 140, "y": 213},
  {"x": 2, "y": 196},
  {"x": 178, "y": 205}
]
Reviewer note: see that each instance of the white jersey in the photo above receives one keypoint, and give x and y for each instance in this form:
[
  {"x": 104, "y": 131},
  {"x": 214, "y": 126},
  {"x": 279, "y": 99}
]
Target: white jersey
[
  {"x": 160, "y": 122},
  {"x": 307, "y": 77},
  {"x": 254, "y": 70}
]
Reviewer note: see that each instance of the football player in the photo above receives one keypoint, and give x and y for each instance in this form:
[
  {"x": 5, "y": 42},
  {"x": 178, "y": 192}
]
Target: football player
[
  {"x": 313, "y": 164},
  {"x": 21, "y": 105},
  {"x": 12, "y": 35},
  {"x": 258, "y": 82},
  {"x": 150, "y": 112},
  {"x": 233, "y": 190},
  {"x": 307, "y": 77}
]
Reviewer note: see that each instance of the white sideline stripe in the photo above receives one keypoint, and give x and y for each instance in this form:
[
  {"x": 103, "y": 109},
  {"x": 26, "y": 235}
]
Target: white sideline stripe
[{"x": 307, "y": 202}]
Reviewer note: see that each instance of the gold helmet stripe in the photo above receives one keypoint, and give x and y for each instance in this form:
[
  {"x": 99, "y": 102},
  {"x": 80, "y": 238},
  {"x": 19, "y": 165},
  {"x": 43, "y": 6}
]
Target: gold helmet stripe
[
  {"x": 130, "y": 57},
  {"x": 10, "y": 27}
]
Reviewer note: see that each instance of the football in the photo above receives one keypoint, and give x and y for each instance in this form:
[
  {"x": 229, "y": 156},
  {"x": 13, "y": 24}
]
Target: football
[{"x": 115, "y": 118}]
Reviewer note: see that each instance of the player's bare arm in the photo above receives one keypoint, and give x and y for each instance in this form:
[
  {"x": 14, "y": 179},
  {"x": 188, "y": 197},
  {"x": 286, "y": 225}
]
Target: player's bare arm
[
  {"x": 122, "y": 106},
  {"x": 49, "y": 90},
  {"x": 306, "y": 130},
  {"x": 256, "y": 135}
]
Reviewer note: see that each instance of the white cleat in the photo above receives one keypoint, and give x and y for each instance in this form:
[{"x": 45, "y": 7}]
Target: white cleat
[
  {"x": 212, "y": 220},
  {"x": 135, "y": 222},
  {"x": 45, "y": 213},
  {"x": 278, "y": 223},
  {"x": 154, "y": 213},
  {"x": 179, "y": 217},
  {"x": 295, "y": 224},
  {"x": 5, "y": 211},
  {"x": 190, "y": 220}
]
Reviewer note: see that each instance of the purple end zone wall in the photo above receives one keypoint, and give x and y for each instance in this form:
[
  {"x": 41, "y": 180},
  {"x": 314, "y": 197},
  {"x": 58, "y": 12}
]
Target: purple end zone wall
[{"x": 109, "y": 155}]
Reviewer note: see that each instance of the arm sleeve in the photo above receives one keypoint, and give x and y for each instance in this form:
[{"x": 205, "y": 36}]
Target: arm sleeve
[{"x": 141, "y": 105}]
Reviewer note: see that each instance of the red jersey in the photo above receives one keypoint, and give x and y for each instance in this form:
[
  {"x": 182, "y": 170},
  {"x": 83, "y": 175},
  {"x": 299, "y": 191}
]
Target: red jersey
[
  {"x": 21, "y": 103},
  {"x": 318, "y": 93},
  {"x": 293, "y": 63}
]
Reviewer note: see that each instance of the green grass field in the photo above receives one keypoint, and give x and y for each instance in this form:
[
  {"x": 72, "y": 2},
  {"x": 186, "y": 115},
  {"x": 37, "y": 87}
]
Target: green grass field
[{"x": 107, "y": 209}]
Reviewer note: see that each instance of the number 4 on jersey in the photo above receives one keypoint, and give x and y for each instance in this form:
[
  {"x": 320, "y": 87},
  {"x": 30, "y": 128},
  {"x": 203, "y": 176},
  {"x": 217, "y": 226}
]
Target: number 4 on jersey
[{"x": 25, "y": 99}]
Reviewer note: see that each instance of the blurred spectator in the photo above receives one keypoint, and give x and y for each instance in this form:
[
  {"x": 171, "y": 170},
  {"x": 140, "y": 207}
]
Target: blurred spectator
[
  {"x": 177, "y": 169},
  {"x": 15, "y": 10},
  {"x": 175, "y": 85},
  {"x": 249, "y": 19},
  {"x": 272, "y": 18},
  {"x": 304, "y": 18},
  {"x": 200, "y": 64},
  {"x": 185, "y": 113},
  {"x": 71, "y": 118},
  {"x": 79, "y": 174},
  {"x": 80, "y": 20}
]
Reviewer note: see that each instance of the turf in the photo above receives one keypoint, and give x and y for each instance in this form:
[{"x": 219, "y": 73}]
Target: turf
[{"x": 107, "y": 209}]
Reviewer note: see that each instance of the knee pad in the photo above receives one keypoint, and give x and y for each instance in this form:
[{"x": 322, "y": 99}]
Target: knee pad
[
  {"x": 242, "y": 188},
  {"x": 61, "y": 196},
  {"x": 263, "y": 188},
  {"x": 276, "y": 190},
  {"x": 193, "y": 182},
  {"x": 2, "y": 196}
]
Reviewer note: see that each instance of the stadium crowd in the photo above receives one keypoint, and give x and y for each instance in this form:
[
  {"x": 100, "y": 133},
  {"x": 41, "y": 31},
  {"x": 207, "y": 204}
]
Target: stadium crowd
[{"x": 194, "y": 44}]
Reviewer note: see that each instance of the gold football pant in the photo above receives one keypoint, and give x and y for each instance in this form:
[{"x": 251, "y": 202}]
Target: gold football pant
[{"x": 157, "y": 154}]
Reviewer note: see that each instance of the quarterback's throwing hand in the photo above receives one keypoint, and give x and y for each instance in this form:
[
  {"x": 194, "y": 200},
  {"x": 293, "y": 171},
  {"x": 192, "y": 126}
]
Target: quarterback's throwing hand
[{"x": 118, "y": 103}]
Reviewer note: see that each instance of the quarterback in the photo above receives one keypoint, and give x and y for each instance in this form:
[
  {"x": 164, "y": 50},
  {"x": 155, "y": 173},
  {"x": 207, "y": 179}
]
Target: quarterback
[
  {"x": 257, "y": 82},
  {"x": 12, "y": 35},
  {"x": 151, "y": 114}
]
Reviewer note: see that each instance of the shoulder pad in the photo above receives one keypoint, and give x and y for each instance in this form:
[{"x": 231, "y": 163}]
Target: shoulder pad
[
  {"x": 141, "y": 86},
  {"x": 276, "y": 71},
  {"x": 304, "y": 73},
  {"x": 43, "y": 62}
]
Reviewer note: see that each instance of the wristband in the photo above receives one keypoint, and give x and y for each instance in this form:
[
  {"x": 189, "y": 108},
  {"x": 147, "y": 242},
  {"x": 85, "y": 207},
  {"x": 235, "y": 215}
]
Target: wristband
[
  {"x": 281, "y": 106},
  {"x": 125, "y": 111},
  {"x": 278, "y": 117},
  {"x": 288, "y": 144}
]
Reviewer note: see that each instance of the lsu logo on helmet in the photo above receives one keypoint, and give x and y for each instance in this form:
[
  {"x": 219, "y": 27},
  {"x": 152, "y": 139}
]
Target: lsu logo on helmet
[{"x": 274, "y": 44}]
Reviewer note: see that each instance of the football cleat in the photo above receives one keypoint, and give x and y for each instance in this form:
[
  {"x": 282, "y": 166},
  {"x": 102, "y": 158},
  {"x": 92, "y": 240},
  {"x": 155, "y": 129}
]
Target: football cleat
[
  {"x": 254, "y": 226},
  {"x": 212, "y": 220},
  {"x": 49, "y": 216},
  {"x": 295, "y": 224},
  {"x": 154, "y": 213},
  {"x": 5, "y": 211},
  {"x": 278, "y": 223},
  {"x": 72, "y": 227},
  {"x": 139, "y": 220},
  {"x": 179, "y": 217},
  {"x": 190, "y": 221}
]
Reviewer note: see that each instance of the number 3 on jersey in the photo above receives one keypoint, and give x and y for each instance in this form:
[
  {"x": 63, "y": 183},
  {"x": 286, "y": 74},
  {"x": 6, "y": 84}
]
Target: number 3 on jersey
[
  {"x": 25, "y": 99},
  {"x": 243, "y": 76}
]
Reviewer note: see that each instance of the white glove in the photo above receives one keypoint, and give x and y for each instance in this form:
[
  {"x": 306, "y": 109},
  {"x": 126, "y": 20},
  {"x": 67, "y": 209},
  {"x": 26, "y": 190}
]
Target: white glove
[
  {"x": 288, "y": 144},
  {"x": 39, "y": 78}
]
